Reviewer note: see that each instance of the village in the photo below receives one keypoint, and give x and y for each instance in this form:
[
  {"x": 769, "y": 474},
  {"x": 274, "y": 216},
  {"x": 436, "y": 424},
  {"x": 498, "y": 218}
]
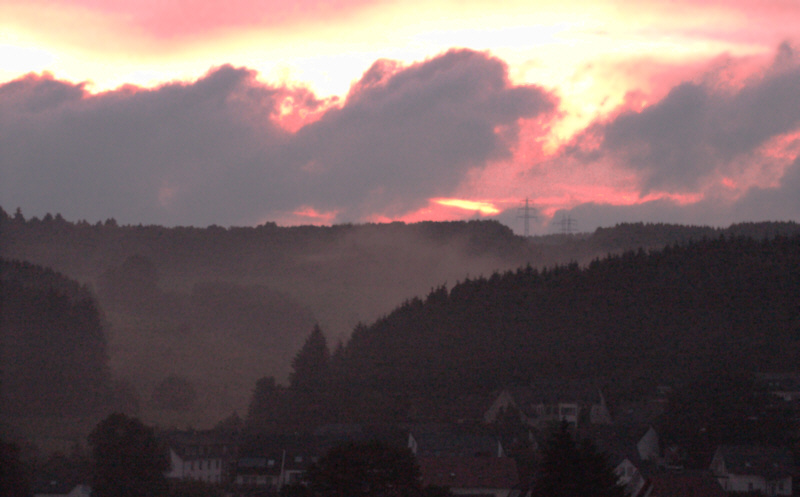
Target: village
[{"x": 473, "y": 457}]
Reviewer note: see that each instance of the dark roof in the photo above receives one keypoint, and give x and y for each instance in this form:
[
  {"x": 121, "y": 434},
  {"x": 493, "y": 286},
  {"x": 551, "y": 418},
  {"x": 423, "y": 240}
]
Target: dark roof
[
  {"x": 192, "y": 444},
  {"x": 271, "y": 463},
  {"x": 453, "y": 444},
  {"x": 258, "y": 466},
  {"x": 771, "y": 463},
  {"x": 319, "y": 443},
  {"x": 353, "y": 430},
  {"x": 469, "y": 472},
  {"x": 583, "y": 392},
  {"x": 647, "y": 412},
  {"x": 684, "y": 485}
]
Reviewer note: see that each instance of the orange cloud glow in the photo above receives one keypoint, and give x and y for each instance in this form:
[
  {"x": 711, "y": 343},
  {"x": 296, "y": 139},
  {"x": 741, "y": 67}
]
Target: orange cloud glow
[{"x": 485, "y": 208}]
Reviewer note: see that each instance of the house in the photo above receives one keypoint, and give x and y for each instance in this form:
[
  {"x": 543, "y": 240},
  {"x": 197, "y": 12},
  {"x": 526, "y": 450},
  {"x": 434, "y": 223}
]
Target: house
[
  {"x": 268, "y": 462},
  {"x": 447, "y": 443},
  {"x": 273, "y": 471},
  {"x": 474, "y": 476},
  {"x": 748, "y": 468},
  {"x": 549, "y": 402},
  {"x": 630, "y": 450},
  {"x": 201, "y": 455}
]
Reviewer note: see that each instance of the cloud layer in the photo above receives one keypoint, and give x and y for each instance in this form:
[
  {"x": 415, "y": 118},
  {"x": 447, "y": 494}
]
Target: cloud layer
[
  {"x": 222, "y": 149},
  {"x": 709, "y": 152},
  {"x": 229, "y": 149}
]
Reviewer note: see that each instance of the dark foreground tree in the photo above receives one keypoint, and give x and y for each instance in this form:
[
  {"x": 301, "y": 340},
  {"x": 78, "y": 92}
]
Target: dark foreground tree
[
  {"x": 128, "y": 460},
  {"x": 571, "y": 469},
  {"x": 14, "y": 481},
  {"x": 723, "y": 408},
  {"x": 371, "y": 469}
]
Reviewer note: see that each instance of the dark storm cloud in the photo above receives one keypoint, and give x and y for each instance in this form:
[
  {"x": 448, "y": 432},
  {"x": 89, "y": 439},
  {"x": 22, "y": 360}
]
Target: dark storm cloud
[
  {"x": 406, "y": 136},
  {"x": 210, "y": 151},
  {"x": 167, "y": 155},
  {"x": 699, "y": 129}
]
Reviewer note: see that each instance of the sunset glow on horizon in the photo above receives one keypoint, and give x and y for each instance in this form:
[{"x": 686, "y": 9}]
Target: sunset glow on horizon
[{"x": 245, "y": 111}]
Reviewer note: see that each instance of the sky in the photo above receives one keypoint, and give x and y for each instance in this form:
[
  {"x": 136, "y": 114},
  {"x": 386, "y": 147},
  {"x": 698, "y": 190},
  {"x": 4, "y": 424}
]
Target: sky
[{"x": 241, "y": 112}]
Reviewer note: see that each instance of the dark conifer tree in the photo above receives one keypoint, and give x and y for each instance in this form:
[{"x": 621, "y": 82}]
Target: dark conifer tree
[
  {"x": 128, "y": 461},
  {"x": 571, "y": 469},
  {"x": 264, "y": 412},
  {"x": 14, "y": 477},
  {"x": 365, "y": 469},
  {"x": 310, "y": 365},
  {"x": 309, "y": 382}
]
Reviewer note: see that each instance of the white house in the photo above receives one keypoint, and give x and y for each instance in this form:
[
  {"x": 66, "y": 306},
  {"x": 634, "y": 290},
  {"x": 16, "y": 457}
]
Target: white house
[
  {"x": 747, "y": 468},
  {"x": 200, "y": 455}
]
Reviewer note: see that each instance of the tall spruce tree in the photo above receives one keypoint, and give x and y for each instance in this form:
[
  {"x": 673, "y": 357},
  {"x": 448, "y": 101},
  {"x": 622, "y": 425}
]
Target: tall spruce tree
[
  {"x": 309, "y": 381},
  {"x": 264, "y": 412},
  {"x": 310, "y": 367},
  {"x": 571, "y": 469}
]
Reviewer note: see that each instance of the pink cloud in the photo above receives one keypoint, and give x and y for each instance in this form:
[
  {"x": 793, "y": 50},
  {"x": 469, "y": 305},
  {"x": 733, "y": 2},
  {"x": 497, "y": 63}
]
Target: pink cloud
[{"x": 191, "y": 18}]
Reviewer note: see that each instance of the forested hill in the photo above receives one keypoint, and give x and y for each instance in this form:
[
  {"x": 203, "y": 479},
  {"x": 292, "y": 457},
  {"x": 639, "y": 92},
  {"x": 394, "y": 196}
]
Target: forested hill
[
  {"x": 52, "y": 345},
  {"x": 221, "y": 307},
  {"x": 637, "y": 320}
]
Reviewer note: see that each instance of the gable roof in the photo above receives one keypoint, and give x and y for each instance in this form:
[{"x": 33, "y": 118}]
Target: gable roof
[
  {"x": 551, "y": 392},
  {"x": 432, "y": 444},
  {"x": 192, "y": 444},
  {"x": 469, "y": 472}
]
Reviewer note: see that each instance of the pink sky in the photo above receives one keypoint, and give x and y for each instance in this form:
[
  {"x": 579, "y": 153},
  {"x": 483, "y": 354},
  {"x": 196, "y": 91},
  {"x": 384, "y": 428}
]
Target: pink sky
[{"x": 246, "y": 111}]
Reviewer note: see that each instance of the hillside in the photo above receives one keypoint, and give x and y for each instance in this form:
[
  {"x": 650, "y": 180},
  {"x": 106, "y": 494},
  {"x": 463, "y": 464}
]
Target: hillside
[
  {"x": 53, "y": 354},
  {"x": 635, "y": 320},
  {"x": 222, "y": 307}
]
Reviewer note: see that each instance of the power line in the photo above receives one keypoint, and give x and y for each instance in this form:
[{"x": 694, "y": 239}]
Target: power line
[
  {"x": 567, "y": 223},
  {"x": 527, "y": 213}
]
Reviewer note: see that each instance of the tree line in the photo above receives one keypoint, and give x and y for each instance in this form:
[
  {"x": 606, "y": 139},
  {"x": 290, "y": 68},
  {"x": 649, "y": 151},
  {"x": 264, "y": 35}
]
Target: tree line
[{"x": 634, "y": 320}]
